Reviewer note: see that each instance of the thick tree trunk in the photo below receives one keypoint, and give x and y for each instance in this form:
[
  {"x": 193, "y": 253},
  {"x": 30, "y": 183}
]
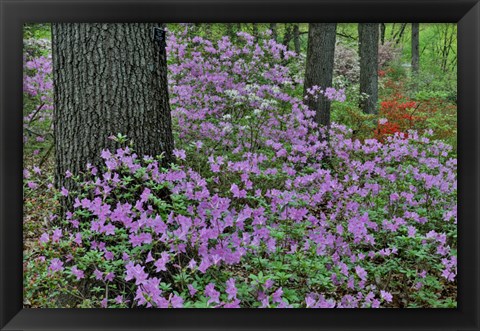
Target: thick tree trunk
[
  {"x": 415, "y": 47},
  {"x": 296, "y": 38},
  {"x": 108, "y": 79},
  {"x": 368, "y": 50},
  {"x": 319, "y": 67},
  {"x": 273, "y": 28}
]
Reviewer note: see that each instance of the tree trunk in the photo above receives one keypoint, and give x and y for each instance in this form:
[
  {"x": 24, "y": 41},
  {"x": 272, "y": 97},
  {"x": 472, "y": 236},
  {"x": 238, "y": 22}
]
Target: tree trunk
[
  {"x": 447, "y": 39},
  {"x": 368, "y": 50},
  {"x": 398, "y": 36},
  {"x": 415, "y": 47},
  {"x": 108, "y": 79},
  {"x": 296, "y": 38},
  {"x": 319, "y": 67},
  {"x": 383, "y": 28},
  {"x": 287, "y": 36},
  {"x": 273, "y": 27}
]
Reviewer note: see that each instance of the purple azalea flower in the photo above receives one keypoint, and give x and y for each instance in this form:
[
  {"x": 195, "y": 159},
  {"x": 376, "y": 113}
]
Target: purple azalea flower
[
  {"x": 56, "y": 265},
  {"x": 136, "y": 272},
  {"x": 231, "y": 289},
  {"x": 77, "y": 272},
  {"x": 386, "y": 296},
  {"x": 211, "y": 293},
  {"x": 160, "y": 264}
]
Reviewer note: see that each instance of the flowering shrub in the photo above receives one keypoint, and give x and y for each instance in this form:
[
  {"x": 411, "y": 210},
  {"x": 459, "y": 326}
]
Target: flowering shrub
[
  {"x": 351, "y": 237},
  {"x": 346, "y": 62},
  {"x": 388, "y": 53},
  {"x": 223, "y": 92},
  {"x": 36, "y": 47},
  {"x": 258, "y": 211},
  {"x": 38, "y": 96},
  {"x": 397, "y": 116},
  {"x": 400, "y": 113}
]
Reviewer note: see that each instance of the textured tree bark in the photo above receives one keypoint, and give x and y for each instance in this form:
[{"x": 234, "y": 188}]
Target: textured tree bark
[
  {"x": 108, "y": 79},
  {"x": 319, "y": 67},
  {"x": 368, "y": 50},
  {"x": 415, "y": 47},
  {"x": 296, "y": 38}
]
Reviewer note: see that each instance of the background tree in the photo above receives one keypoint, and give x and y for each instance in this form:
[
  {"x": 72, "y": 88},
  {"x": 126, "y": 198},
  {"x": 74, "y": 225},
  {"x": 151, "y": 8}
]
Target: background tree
[
  {"x": 368, "y": 51},
  {"x": 287, "y": 36},
  {"x": 319, "y": 67},
  {"x": 446, "y": 45},
  {"x": 398, "y": 34},
  {"x": 415, "y": 47},
  {"x": 296, "y": 38},
  {"x": 108, "y": 79},
  {"x": 273, "y": 28},
  {"x": 383, "y": 28}
]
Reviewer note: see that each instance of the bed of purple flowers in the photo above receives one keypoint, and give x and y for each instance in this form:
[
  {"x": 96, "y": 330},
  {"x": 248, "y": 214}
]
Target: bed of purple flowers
[{"x": 261, "y": 211}]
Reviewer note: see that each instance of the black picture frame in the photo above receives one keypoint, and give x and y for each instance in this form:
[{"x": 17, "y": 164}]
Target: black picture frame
[{"x": 13, "y": 14}]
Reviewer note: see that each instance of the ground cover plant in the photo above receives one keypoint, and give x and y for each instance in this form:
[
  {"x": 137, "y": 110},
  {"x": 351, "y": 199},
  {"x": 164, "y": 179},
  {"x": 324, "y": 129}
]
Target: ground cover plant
[{"x": 261, "y": 207}]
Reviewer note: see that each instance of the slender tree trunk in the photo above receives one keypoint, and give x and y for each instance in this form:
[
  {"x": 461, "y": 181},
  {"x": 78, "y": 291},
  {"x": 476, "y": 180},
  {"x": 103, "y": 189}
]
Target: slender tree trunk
[
  {"x": 319, "y": 67},
  {"x": 108, "y": 79},
  {"x": 447, "y": 38},
  {"x": 273, "y": 28},
  {"x": 415, "y": 48},
  {"x": 392, "y": 31},
  {"x": 368, "y": 50},
  {"x": 296, "y": 38},
  {"x": 398, "y": 36},
  {"x": 287, "y": 37},
  {"x": 383, "y": 28}
]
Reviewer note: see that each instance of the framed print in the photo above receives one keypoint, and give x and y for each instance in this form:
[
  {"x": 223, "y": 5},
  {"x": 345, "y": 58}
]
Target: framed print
[{"x": 161, "y": 159}]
